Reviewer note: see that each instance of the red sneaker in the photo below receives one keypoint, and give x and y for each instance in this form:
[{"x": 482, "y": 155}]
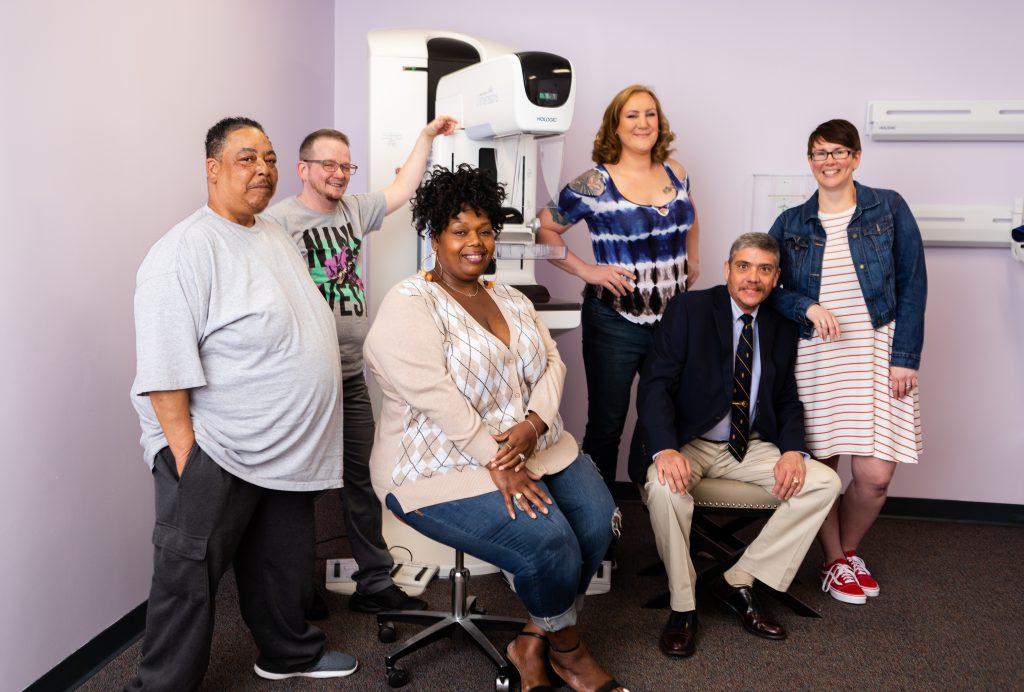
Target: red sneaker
[
  {"x": 839, "y": 581},
  {"x": 867, "y": 583}
]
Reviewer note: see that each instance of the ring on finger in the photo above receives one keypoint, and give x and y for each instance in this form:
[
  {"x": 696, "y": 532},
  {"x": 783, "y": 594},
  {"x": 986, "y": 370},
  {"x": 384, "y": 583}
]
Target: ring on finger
[
  {"x": 522, "y": 457},
  {"x": 517, "y": 496},
  {"x": 795, "y": 481}
]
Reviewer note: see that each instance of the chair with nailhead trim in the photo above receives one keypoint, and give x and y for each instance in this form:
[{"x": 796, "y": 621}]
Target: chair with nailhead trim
[{"x": 722, "y": 510}]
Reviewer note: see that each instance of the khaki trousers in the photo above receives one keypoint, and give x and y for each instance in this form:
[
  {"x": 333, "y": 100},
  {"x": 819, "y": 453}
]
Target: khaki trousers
[{"x": 777, "y": 552}]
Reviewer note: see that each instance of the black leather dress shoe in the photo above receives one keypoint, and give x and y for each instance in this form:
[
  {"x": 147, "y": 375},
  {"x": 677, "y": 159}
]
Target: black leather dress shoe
[
  {"x": 742, "y": 601},
  {"x": 679, "y": 637}
]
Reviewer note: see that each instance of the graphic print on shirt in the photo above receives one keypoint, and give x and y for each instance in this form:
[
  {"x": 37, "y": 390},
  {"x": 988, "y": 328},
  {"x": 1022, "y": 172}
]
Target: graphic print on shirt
[{"x": 332, "y": 254}]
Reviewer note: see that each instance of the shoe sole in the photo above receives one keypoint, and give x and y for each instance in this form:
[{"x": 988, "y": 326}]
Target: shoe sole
[
  {"x": 847, "y": 598},
  {"x": 676, "y": 654},
  {"x": 870, "y": 593},
  {"x": 320, "y": 674}
]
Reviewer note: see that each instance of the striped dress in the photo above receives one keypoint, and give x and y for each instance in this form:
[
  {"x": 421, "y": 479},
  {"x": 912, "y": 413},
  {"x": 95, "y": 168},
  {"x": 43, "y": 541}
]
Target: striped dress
[{"x": 844, "y": 385}]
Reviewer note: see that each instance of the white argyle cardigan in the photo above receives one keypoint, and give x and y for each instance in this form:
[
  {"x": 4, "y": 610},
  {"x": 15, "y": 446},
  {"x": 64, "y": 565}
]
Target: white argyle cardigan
[{"x": 449, "y": 385}]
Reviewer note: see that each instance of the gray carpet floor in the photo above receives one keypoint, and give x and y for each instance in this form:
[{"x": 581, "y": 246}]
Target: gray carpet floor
[{"x": 949, "y": 617}]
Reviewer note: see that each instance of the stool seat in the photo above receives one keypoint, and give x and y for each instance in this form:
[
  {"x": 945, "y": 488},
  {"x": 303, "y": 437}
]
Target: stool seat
[{"x": 724, "y": 493}]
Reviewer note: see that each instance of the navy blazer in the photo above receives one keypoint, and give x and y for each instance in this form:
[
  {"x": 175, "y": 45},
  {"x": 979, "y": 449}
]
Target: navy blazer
[{"x": 686, "y": 384}]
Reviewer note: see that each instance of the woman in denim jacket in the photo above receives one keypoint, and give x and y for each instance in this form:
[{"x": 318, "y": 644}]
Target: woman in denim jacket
[{"x": 853, "y": 278}]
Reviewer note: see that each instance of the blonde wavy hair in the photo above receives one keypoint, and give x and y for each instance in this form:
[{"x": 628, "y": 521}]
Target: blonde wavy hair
[{"x": 608, "y": 148}]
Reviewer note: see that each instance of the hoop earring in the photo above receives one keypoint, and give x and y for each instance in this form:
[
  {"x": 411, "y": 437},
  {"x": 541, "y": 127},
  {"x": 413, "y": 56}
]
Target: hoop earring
[{"x": 428, "y": 273}]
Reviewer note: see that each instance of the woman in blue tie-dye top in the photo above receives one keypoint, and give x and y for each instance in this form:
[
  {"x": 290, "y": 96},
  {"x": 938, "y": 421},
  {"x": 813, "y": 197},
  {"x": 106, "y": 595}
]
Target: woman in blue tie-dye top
[{"x": 643, "y": 229}]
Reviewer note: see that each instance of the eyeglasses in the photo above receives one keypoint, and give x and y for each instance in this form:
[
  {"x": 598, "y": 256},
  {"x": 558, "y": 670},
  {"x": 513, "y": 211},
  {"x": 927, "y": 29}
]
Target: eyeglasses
[
  {"x": 837, "y": 155},
  {"x": 332, "y": 166}
]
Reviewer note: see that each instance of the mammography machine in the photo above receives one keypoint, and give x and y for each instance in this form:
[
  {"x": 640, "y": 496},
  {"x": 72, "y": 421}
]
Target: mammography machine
[{"x": 511, "y": 107}]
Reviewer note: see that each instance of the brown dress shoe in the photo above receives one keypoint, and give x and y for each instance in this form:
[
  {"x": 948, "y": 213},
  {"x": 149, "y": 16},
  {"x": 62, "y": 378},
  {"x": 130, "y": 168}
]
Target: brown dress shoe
[
  {"x": 742, "y": 601},
  {"x": 679, "y": 638}
]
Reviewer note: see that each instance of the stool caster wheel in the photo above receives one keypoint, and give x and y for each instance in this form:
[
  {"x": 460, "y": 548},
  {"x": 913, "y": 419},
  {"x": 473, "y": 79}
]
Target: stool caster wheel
[
  {"x": 502, "y": 683},
  {"x": 386, "y": 633},
  {"x": 397, "y": 677}
]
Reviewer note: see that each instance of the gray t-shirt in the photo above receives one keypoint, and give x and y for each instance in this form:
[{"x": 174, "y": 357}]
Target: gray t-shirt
[
  {"x": 332, "y": 245},
  {"x": 229, "y": 313}
]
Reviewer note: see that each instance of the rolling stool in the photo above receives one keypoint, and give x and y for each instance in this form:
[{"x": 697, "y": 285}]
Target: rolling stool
[{"x": 461, "y": 620}]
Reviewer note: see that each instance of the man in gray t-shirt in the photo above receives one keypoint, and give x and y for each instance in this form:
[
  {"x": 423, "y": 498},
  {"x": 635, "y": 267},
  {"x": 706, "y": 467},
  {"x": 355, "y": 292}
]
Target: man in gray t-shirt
[
  {"x": 328, "y": 227},
  {"x": 238, "y": 392}
]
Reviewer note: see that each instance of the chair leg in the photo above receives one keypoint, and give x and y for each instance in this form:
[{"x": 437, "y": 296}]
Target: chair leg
[
  {"x": 437, "y": 631},
  {"x": 415, "y": 617},
  {"x": 497, "y": 623},
  {"x": 791, "y": 601},
  {"x": 453, "y": 624},
  {"x": 483, "y": 643}
]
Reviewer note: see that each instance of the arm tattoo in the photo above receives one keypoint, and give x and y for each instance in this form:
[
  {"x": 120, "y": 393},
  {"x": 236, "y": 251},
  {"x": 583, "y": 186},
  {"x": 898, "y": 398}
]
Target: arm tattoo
[
  {"x": 556, "y": 215},
  {"x": 590, "y": 183}
]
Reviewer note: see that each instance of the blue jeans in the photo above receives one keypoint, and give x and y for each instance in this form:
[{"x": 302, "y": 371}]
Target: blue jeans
[
  {"x": 553, "y": 557},
  {"x": 614, "y": 350}
]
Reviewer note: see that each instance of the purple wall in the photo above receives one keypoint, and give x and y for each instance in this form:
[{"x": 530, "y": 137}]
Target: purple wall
[
  {"x": 743, "y": 85},
  {"x": 104, "y": 109}
]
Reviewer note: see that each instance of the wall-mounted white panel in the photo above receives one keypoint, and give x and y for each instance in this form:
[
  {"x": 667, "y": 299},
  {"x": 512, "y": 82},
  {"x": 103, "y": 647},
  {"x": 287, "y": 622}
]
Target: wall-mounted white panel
[
  {"x": 964, "y": 226},
  {"x": 946, "y": 120}
]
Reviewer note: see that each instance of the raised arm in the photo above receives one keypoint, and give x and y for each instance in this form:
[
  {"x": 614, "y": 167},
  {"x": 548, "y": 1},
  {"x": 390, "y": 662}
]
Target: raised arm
[{"x": 403, "y": 187}]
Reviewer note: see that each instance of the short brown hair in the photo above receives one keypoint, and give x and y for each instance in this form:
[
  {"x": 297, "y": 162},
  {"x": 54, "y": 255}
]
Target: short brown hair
[
  {"x": 608, "y": 148},
  {"x": 306, "y": 148},
  {"x": 837, "y": 131},
  {"x": 756, "y": 240}
]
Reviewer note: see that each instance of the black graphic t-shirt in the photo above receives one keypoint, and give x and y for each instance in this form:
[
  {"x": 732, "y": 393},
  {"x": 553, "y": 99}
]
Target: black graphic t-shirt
[{"x": 331, "y": 245}]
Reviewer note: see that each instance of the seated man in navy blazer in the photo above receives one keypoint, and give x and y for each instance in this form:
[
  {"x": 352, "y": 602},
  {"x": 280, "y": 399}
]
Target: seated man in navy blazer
[{"x": 718, "y": 399}]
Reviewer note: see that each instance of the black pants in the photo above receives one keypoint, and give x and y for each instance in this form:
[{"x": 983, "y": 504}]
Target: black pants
[
  {"x": 361, "y": 508},
  {"x": 207, "y": 521}
]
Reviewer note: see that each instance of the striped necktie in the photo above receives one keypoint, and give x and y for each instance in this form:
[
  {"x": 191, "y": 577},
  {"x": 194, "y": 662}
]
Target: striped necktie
[{"x": 742, "y": 372}]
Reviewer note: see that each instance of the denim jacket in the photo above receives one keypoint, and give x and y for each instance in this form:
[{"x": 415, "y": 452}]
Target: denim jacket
[{"x": 887, "y": 252}]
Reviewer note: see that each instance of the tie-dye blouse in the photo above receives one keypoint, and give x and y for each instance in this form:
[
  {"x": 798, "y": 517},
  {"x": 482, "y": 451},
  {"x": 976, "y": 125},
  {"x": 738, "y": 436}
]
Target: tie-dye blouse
[{"x": 648, "y": 239}]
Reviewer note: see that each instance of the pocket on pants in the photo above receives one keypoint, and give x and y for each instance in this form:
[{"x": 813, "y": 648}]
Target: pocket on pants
[
  {"x": 180, "y": 562},
  {"x": 171, "y": 538}
]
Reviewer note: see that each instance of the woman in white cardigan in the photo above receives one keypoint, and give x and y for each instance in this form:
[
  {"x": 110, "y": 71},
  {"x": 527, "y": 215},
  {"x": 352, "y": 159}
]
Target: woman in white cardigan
[{"x": 470, "y": 449}]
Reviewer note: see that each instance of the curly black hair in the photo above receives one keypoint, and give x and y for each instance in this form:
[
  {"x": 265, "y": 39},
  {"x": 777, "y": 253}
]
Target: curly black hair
[{"x": 446, "y": 193}]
